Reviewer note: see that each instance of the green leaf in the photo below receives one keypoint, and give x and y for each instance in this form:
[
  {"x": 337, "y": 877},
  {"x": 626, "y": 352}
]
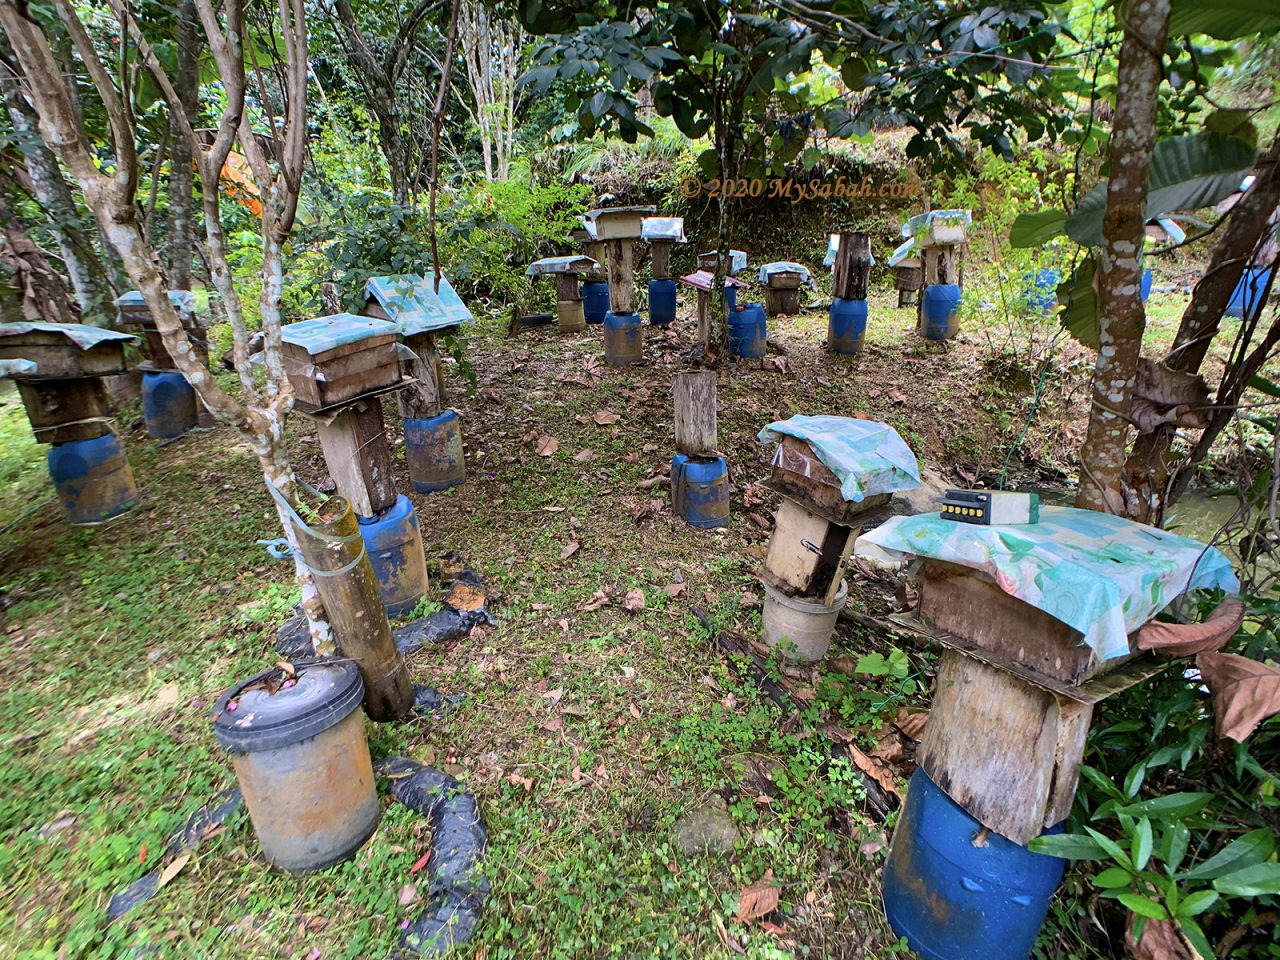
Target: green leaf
[
  {"x": 1110, "y": 847},
  {"x": 1174, "y": 845},
  {"x": 1258, "y": 880},
  {"x": 1141, "y": 845},
  {"x": 1195, "y": 936},
  {"x": 1143, "y": 906},
  {"x": 1080, "y": 316},
  {"x": 1254, "y": 847},
  {"x": 1033, "y": 229},
  {"x": 1112, "y": 878},
  {"x": 1224, "y": 19},
  {"x": 1265, "y": 385},
  {"x": 1198, "y": 903},
  {"x": 1234, "y": 123},
  {"x": 1067, "y": 846},
  {"x": 1186, "y": 173},
  {"x": 1170, "y": 805},
  {"x": 1100, "y": 779}
]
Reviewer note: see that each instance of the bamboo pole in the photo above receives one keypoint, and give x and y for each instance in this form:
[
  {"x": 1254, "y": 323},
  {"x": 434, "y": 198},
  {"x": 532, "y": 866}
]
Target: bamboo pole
[{"x": 334, "y": 551}]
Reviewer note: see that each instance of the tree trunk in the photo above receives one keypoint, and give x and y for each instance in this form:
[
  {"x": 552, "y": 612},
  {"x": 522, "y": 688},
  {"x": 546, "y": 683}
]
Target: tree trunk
[
  {"x": 85, "y": 269},
  {"x": 1123, "y": 320},
  {"x": 1148, "y": 467},
  {"x": 39, "y": 292},
  {"x": 181, "y": 247}
]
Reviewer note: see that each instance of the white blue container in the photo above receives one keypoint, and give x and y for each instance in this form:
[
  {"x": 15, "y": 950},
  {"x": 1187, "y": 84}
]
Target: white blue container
[
  {"x": 954, "y": 899},
  {"x": 168, "y": 404},
  {"x": 623, "y": 339},
  {"x": 433, "y": 450},
  {"x": 847, "y": 326},
  {"x": 748, "y": 332},
  {"x": 940, "y": 311},
  {"x": 662, "y": 301},
  {"x": 394, "y": 543},
  {"x": 93, "y": 479},
  {"x": 1246, "y": 299}
]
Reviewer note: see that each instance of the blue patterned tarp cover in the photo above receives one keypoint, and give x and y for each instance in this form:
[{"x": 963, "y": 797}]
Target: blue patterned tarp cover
[
  {"x": 81, "y": 334},
  {"x": 784, "y": 266},
  {"x": 737, "y": 259},
  {"x": 414, "y": 304},
  {"x": 1103, "y": 575},
  {"x": 324, "y": 333},
  {"x": 867, "y": 457}
]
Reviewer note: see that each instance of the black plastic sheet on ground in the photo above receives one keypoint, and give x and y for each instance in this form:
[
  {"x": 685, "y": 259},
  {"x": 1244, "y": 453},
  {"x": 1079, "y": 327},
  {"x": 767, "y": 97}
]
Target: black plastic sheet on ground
[{"x": 456, "y": 890}]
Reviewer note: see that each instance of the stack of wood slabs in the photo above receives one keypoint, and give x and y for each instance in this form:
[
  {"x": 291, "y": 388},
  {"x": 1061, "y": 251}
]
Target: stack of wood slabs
[
  {"x": 330, "y": 360},
  {"x": 799, "y": 474},
  {"x": 134, "y": 312},
  {"x": 58, "y": 356},
  {"x": 807, "y": 554}
]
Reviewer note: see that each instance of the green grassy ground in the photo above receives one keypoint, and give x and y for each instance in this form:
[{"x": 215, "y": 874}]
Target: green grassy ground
[{"x": 586, "y": 732}]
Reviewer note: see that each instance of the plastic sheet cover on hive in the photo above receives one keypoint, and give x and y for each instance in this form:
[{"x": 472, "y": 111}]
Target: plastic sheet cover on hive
[
  {"x": 833, "y": 244},
  {"x": 413, "y": 303},
  {"x": 785, "y": 266},
  {"x": 737, "y": 259},
  {"x": 1103, "y": 575},
  {"x": 81, "y": 334},
  {"x": 571, "y": 264},
  {"x": 869, "y": 458},
  {"x": 662, "y": 228},
  {"x": 325, "y": 333}
]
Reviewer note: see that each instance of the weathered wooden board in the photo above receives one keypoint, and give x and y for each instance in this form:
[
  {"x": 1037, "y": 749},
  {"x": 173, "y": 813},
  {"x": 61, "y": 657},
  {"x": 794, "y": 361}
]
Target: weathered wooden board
[
  {"x": 358, "y": 455},
  {"x": 1006, "y": 751},
  {"x": 969, "y": 604},
  {"x": 622, "y": 281},
  {"x": 567, "y": 286},
  {"x": 852, "y": 267},
  {"x": 695, "y": 413},
  {"x": 941, "y": 264},
  {"x": 660, "y": 252},
  {"x": 781, "y": 301},
  {"x": 806, "y": 554},
  {"x": 57, "y": 357}
]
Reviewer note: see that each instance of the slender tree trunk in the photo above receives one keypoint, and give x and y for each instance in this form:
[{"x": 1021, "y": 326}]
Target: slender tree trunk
[
  {"x": 1123, "y": 320},
  {"x": 89, "y": 278},
  {"x": 1148, "y": 466},
  {"x": 181, "y": 246}
]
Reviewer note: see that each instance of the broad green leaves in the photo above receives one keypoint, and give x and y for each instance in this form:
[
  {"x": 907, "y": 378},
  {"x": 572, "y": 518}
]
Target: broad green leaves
[
  {"x": 1187, "y": 173},
  {"x": 1224, "y": 19},
  {"x": 1034, "y": 229}
]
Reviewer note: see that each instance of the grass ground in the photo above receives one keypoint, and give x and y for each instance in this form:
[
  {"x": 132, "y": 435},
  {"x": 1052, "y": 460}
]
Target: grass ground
[{"x": 586, "y": 733}]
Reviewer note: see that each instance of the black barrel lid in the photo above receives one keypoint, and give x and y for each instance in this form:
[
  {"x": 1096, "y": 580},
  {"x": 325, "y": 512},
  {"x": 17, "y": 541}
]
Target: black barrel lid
[{"x": 251, "y": 717}]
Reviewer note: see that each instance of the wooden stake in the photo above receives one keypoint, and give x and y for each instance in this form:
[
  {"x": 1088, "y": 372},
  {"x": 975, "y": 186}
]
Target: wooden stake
[
  {"x": 355, "y": 610},
  {"x": 1008, "y": 752},
  {"x": 426, "y": 397},
  {"x": 595, "y": 250},
  {"x": 359, "y": 457},
  {"x": 704, "y": 318},
  {"x": 622, "y": 281},
  {"x": 660, "y": 251},
  {"x": 695, "y": 413},
  {"x": 852, "y": 268}
]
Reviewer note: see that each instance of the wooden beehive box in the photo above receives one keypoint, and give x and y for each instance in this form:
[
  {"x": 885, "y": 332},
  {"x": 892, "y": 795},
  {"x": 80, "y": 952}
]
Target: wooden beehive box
[
  {"x": 798, "y": 473},
  {"x": 908, "y": 275},
  {"x": 969, "y": 605},
  {"x": 619, "y": 223},
  {"x": 786, "y": 280},
  {"x": 58, "y": 355},
  {"x": 61, "y": 411},
  {"x": 806, "y": 554},
  {"x": 329, "y": 360}
]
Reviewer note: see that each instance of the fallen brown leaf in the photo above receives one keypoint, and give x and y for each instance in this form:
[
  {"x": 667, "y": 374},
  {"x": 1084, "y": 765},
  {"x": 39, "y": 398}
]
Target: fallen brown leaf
[
  {"x": 1159, "y": 941},
  {"x": 408, "y": 895},
  {"x": 598, "y": 600},
  {"x": 1189, "y": 639},
  {"x": 757, "y": 899},
  {"x": 570, "y": 549},
  {"x": 604, "y": 418},
  {"x": 1245, "y": 692},
  {"x": 675, "y": 590},
  {"x": 420, "y": 862},
  {"x": 911, "y": 724},
  {"x": 634, "y": 600},
  {"x": 585, "y": 455},
  {"x": 876, "y": 771},
  {"x": 173, "y": 869},
  {"x": 547, "y": 446}
]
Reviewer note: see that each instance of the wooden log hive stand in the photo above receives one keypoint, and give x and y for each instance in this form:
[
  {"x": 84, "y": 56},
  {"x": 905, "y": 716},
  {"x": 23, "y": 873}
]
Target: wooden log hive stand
[{"x": 620, "y": 228}]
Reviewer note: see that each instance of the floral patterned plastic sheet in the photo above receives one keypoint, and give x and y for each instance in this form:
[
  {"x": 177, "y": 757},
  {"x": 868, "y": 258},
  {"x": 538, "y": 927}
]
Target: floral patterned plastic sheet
[
  {"x": 413, "y": 303},
  {"x": 1103, "y": 575},
  {"x": 867, "y": 457}
]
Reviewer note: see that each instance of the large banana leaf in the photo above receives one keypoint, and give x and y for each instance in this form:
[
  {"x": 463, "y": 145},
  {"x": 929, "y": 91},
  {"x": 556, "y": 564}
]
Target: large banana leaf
[
  {"x": 1187, "y": 173},
  {"x": 1224, "y": 19},
  {"x": 1033, "y": 229},
  {"x": 1079, "y": 302}
]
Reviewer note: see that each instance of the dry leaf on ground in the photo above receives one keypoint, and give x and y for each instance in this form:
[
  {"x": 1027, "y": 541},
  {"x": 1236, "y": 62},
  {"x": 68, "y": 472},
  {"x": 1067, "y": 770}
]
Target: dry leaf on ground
[
  {"x": 605, "y": 417},
  {"x": 876, "y": 771},
  {"x": 547, "y": 446},
  {"x": 758, "y": 899},
  {"x": 1245, "y": 692},
  {"x": 675, "y": 590},
  {"x": 1189, "y": 639},
  {"x": 408, "y": 895},
  {"x": 598, "y": 600},
  {"x": 585, "y": 455},
  {"x": 570, "y": 549},
  {"x": 465, "y": 596},
  {"x": 911, "y": 724},
  {"x": 633, "y": 601},
  {"x": 1159, "y": 941},
  {"x": 172, "y": 870}
]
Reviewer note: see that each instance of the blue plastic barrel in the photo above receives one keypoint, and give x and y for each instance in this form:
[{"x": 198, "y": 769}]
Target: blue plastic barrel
[
  {"x": 168, "y": 404},
  {"x": 1041, "y": 289},
  {"x": 623, "y": 341},
  {"x": 747, "y": 331},
  {"x": 93, "y": 479},
  {"x": 394, "y": 544},
  {"x": 700, "y": 490},
  {"x": 1144, "y": 290},
  {"x": 847, "y": 326},
  {"x": 956, "y": 901},
  {"x": 595, "y": 300},
  {"x": 940, "y": 311},
  {"x": 662, "y": 301},
  {"x": 433, "y": 449},
  {"x": 1246, "y": 299}
]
